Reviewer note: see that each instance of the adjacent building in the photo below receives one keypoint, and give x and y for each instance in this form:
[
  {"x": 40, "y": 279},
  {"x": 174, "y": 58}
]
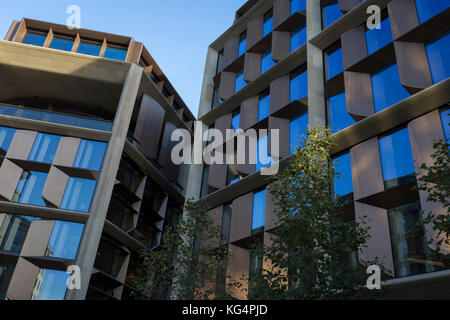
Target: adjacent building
[
  {"x": 86, "y": 177},
  {"x": 385, "y": 92}
]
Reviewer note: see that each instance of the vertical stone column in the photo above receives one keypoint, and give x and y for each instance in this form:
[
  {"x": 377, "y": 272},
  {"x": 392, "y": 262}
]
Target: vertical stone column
[{"x": 99, "y": 207}]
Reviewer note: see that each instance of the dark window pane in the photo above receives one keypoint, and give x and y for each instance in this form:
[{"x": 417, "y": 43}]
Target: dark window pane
[
  {"x": 427, "y": 9},
  {"x": 343, "y": 185},
  {"x": 62, "y": 44},
  {"x": 78, "y": 194},
  {"x": 339, "y": 117},
  {"x": 387, "y": 89},
  {"x": 263, "y": 106},
  {"x": 396, "y": 157},
  {"x": 299, "y": 86},
  {"x": 445, "y": 117},
  {"x": 240, "y": 82},
  {"x": 378, "y": 38},
  {"x": 297, "y": 5},
  {"x": 298, "y": 37},
  {"x": 29, "y": 188},
  {"x": 331, "y": 14},
  {"x": 36, "y": 39},
  {"x": 13, "y": 232},
  {"x": 438, "y": 52},
  {"x": 205, "y": 187},
  {"x": 64, "y": 240},
  {"x": 6, "y": 273},
  {"x": 220, "y": 62},
  {"x": 334, "y": 63},
  {"x": 297, "y": 128},
  {"x": 89, "y": 48},
  {"x": 44, "y": 148},
  {"x": 266, "y": 61},
  {"x": 268, "y": 23},
  {"x": 259, "y": 207},
  {"x": 90, "y": 155},
  {"x": 115, "y": 53}
]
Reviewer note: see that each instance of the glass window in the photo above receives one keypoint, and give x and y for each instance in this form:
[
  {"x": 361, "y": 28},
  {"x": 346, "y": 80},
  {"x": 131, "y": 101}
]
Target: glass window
[
  {"x": 339, "y": 117},
  {"x": 331, "y": 13},
  {"x": 378, "y": 38},
  {"x": 298, "y": 5},
  {"x": 438, "y": 52},
  {"x": 266, "y": 61},
  {"x": 298, "y": 86},
  {"x": 235, "y": 119},
  {"x": 220, "y": 62},
  {"x": 64, "y": 240},
  {"x": 94, "y": 124},
  {"x": 6, "y": 273},
  {"x": 92, "y": 49},
  {"x": 115, "y": 53},
  {"x": 64, "y": 44},
  {"x": 90, "y": 155},
  {"x": 58, "y": 118},
  {"x": 240, "y": 82},
  {"x": 343, "y": 184},
  {"x": 13, "y": 232},
  {"x": 427, "y": 9},
  {"x": 396, "y": 158},
  {"x": 263, "y": 158},
  {"x": 52, "y": 286},
  {"x": 29, "y": 188},
  {"x": 334, "y": 63},
  {"x": 19, "y": 112},
  {"x": 298, "y": 37},
  {"x": 6, "y": 136},
  {"x": 259, "y": 209},
  {"x": 263, "y": 105},
  {"x": 268, "y": 23},
  {"x": 242, "y": 43},
  {"x": 386, "y": 87},
  {"x": 216, "y": 99},
  {"x": 226, "y": 221},
  {"x": 205, "y": 187},
  {"x": 297, "y": 128},
  {"x": 44, "y": 148},
  {"x": 78, "y": 194},
  {"x": 35, "y": 39},
  {"x": 445, "y": 117},
  {"x": 409, "y": 244}
]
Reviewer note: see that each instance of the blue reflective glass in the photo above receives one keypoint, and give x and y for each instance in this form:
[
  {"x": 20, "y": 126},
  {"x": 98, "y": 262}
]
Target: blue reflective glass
[
  {"x": 343, "y": 184},
  {"x": 334, "y": 63},
  {"x": 61, "y": 44},
  {"x": 6, "y": 136},
  {"x": 297, "y": 128},
  {"x": 378, "y": 38},
  {"x": 78, "y": 194},
  {"x": 35, "y": 39},
  {"x": 90, "y": 155},
  {"x": 445, "y": 117},
  {"x": 58, "y": 118},
  {"x": 242, "y": 45},
  {"x": 263, "y": 158},
  {"x": 298, "y": 37},
  {"x": 29, "y": 188},
  {"x": 263, "y": 107},
  {"x": 298, "y": 5},
  {"x": 339, "y": 117},
  {"x": 266, "y": 61},
  {"x": 396, "y": 155},
  {"x": 89, "y": 48},
  {"x": 299, "y": 87},
  {"x": 52, "y": 287},
  {"x": 240, "y": 82},
  {"x": 235, "y": 121},
  {"x": 64, "y": 240},
  {"x": 94, "y": 124},
  {"x": 268, "y": 23},
  {"x": 115, "y": 53},
  {"x": 19, "y": 112},
  {"x": 331, "y": 13},
  {"x": 438, "y": 52},
  {"x": 44, "y": 148},
  {"x": 259, "y": 207},
  {"x": 427, "y": 9},
  {"x": 387, "y": 89}
]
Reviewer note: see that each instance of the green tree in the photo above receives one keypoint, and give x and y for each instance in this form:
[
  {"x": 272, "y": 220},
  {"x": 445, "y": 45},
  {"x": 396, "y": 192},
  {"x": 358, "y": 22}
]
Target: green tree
[
  {"x": 310, "y": 256},
  {"x": 184, "y": 267},
  {"x": 435, "y": 180}
]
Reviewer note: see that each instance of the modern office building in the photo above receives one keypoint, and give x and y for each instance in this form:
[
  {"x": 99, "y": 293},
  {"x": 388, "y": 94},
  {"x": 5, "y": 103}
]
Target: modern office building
[
  {"x": 86, "y": 177},
  {"x": 286, "y": 64}
]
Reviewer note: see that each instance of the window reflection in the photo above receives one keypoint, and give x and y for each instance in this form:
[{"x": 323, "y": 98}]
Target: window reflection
[
  {"x": 90, "y": 155},
  {"x": 50, "y": 285},
  {"x": 298, "y": 37},
  {"x": 240, "y": 82},
  {"x": 263, "y": 158},
  {"x": 343, "y": 185},
  {"x": 88, "y": 48},
  {"x": 242, "y": 43},
  {"x": 13, "y": 232},
  {"x": 6, "y": 136},
  {"x": 35, "y": 39},
  {"x": 64, "y": 240},
  {"x": 29, "y": 188},
  {"x": 297, "y": 5},
  {"x": 62, "y": 44},
  {"x": 297, "y": 128},
  {"x": 378, "y": 38},
  {"x": 259, "y": 205},
  {"x": 263, "y": 105},
  {"x": 115, "y": 53},
  {"x": 334, "y": 63},
  {"x": 445, "y": 117},
  {"x": 427, "y": 9},
  {"x": 266, "y": 61},
  {"x": 235, "y": 120},
  {"x": 44, "y": 148},
  {"x": 268, "y": 23},
  {"x": 331, "y": 13},
  {"x": 438, "y": 52},
  {"x": 298, "y": 86},
  {"x": 78, "y": 194},
  {"x": 339, "y": 117}
]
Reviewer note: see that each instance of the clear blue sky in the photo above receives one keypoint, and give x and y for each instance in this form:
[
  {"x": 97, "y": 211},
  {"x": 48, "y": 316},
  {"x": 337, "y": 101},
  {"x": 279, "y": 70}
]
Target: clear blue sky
[{"x": 176, "y": 32}]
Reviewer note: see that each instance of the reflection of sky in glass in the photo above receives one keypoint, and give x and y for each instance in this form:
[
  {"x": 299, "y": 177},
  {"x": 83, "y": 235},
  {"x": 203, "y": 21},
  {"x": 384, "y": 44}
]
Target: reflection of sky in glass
[
  {"x": 445, "y": 117},
  {"x": 240, "y": 82},
  {"x": 115, "y": 53},
  {"x": 30, "y": 188},
  {"x": 90, "y": 155},
  {"x": 235, "y": 121},
  {"x": 263, "y": 107},
  {"x": 263, "y": 158},
  {"x": 65, "y": 239},
  {"x": 340, "y": 118},
  {"x": 242, "y": 44},
  {"x": 387, "y": 89},
  {"x": 35, "y": 39},
  {"x": 61, "y": 44},
  {"x": 52, "y": 287},
  {"x": 299, "y": 86},
  {"x": 89, "y": 48},
  {"x": 331, "y": 13},
  {"x": 44, "y": 148},
  {"x": 78, "y": 194},
  {"x": 297, "y": 128},
  {"x": 266, "y": 61},
  {"x": 335, "y": 64},
  {"x": 259, "y": 207},
  {"x": 427, "y": 9},
  {"x": 297, "y": 5},
  {"x": 378, "y": 38},
  {"x": 6, "y": 135},
  {"x": 396, "y": 155},
  {"x": 343, "y": 184},
  {"x": 268, "y": 23},
  {"x": 438, "y": 52},
  {"x": 298, "y": 37}
]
